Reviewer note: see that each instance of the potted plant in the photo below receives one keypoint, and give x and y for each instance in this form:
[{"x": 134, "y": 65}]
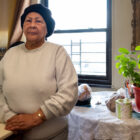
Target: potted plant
[{"x": 128, "y": 65}]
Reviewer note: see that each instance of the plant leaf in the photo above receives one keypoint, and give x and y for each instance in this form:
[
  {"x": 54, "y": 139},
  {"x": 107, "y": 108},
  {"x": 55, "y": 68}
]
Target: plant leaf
[
  {"x": 117, "y": 65},
  {"x": 123, "y": 50},
  {"x": 139, "y": 64},
  {"x": 137, "y": 48},
  {"x": 133, "y": 52},
  {"x": 117, "y": 57}
]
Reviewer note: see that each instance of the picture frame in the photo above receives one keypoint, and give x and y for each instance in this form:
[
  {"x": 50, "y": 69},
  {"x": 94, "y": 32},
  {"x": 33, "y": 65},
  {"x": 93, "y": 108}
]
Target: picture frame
[{"x": 135, "y": 24}]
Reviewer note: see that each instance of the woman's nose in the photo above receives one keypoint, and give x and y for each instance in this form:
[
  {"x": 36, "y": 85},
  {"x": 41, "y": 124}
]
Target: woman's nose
[{"x": 33, "y": 23}]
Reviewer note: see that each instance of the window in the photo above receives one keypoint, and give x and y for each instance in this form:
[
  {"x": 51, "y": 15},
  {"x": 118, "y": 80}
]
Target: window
[{"x": 83, "y": 27}]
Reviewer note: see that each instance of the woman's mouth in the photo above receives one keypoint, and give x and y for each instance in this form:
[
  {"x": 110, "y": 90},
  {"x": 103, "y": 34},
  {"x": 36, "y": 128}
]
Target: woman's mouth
[{"x": 32, "y": 33}]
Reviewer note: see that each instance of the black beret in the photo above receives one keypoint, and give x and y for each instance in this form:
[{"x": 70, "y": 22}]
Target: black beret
[{"x": 44, "y": 12}]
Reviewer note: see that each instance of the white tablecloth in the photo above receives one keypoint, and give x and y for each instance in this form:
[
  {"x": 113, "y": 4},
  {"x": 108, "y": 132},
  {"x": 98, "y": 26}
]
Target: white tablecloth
[{"x": 99, "y": 123}]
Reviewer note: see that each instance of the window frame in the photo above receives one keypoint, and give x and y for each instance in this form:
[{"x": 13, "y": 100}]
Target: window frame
[{"x": 96, "y": 80}]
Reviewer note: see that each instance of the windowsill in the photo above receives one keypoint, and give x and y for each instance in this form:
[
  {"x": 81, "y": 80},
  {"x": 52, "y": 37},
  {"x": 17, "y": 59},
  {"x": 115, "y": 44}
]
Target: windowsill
[{"x": 95, "y": 89}]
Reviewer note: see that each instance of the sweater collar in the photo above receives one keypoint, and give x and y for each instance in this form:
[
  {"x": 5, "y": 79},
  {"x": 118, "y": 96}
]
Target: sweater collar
[{"x": 34, "y": 50}]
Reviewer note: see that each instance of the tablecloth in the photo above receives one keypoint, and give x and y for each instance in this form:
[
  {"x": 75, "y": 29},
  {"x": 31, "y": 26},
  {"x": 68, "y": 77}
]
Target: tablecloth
[{"x": 99, "y": 123}]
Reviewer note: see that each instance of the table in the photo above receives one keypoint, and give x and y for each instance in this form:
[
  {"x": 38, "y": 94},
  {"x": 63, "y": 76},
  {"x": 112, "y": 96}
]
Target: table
[
  {"x": 98, "y": 123},
  {"x": 4, "y": 133}
]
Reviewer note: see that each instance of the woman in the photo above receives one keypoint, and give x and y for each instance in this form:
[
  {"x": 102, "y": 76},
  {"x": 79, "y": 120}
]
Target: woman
[{"x": 38, "y": 80}]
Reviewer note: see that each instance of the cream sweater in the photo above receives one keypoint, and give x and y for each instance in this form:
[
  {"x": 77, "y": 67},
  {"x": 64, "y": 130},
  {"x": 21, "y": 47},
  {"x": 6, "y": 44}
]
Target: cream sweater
[{"x": 40, "y": 78}]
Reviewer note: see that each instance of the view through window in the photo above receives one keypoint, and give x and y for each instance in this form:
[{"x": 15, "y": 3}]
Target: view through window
[{"x": 82, "y": 28}]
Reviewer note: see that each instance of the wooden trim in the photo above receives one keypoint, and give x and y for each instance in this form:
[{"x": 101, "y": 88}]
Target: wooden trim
[{"x": 135, "y": 24}]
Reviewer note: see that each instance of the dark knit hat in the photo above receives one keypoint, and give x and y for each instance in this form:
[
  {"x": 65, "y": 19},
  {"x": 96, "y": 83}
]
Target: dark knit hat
[{"x": 44, "y": 12}]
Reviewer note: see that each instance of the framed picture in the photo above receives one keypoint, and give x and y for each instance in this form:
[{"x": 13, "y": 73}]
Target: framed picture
[{"x": 135, "y": 24}]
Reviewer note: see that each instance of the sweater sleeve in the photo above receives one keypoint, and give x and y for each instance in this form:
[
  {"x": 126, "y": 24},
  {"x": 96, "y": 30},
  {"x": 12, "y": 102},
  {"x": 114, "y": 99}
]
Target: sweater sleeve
[
  {"x": 5, "y": 111},
  {"x": 65, "y": 98}
]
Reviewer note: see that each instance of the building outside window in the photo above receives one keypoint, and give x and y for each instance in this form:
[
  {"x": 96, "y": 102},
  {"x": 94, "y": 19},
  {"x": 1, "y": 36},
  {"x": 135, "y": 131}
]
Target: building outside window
[{"x": 83, "y": 27}]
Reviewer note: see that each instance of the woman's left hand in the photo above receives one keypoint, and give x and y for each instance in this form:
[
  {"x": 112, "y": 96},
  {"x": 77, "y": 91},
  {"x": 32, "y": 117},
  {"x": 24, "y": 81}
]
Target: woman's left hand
[{"x": 23, "y": 122}]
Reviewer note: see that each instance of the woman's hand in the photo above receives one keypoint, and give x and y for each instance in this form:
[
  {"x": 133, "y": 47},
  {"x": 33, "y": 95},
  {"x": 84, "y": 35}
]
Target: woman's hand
[{"x": 24, "y": 121}]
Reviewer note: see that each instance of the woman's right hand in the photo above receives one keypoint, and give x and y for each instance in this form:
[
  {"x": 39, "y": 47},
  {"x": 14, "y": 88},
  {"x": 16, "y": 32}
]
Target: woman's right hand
[{"x": 23, "y": 121}]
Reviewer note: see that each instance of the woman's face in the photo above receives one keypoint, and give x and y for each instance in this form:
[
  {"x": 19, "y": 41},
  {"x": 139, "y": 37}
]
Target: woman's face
[{"x": 34, "y": 27}]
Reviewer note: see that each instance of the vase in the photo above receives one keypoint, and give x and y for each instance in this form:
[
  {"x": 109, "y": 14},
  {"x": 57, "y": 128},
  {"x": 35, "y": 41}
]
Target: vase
[{"x": 136, "y": 91}]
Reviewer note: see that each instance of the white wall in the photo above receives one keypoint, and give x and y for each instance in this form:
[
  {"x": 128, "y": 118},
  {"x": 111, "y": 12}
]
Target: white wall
[{"x": 121, "y": 34}]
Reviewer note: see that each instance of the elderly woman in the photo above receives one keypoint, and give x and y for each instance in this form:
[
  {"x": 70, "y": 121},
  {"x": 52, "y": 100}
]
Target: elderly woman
[{"x": 38, "y": 81}]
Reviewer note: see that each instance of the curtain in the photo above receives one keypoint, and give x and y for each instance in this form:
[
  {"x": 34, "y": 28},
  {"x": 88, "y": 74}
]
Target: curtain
[
  {"x": 3, "y": 23},
  {"x": 14, "y": 28}
]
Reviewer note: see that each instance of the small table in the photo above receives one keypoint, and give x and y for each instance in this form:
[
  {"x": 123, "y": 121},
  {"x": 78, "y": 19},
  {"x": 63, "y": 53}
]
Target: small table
[
  {"x": 98, "y": 123},
  {"x": 4, "y": 133}
]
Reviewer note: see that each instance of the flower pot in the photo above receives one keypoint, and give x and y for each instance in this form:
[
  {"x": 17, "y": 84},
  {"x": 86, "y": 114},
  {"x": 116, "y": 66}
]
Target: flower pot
[{"x": 136, "y": 91}]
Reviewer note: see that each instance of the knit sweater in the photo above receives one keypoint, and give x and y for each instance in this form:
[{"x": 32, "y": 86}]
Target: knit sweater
[{"x": 40, "y": 78}]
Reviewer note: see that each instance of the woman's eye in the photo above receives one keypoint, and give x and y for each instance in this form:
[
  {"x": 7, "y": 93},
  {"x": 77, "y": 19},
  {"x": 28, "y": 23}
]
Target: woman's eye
[
  {"x": 28, "y": 20},
  {"x": 38, "y": 21}
]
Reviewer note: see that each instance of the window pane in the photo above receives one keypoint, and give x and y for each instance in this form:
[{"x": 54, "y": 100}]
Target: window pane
[
  {"x": 93, "y": 69},
  {"x": 77, "y": 67},
  {"x": 76, "y": 58},
  {"x": 79, "y": 14},
  {"x": 76, "y": 38},
  {"x": 94, "y": 47},
  {"x": 93, "y": 57},
  {"x": 87, "y": 51},
  {"x": 76, "y": 48}
]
